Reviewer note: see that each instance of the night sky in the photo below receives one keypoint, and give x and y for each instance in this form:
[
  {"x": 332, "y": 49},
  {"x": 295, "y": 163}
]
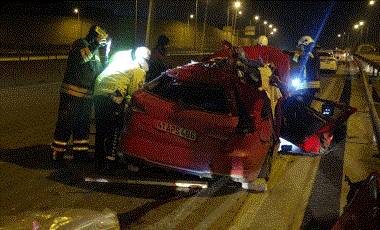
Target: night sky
[{"x": 292, "y": 18}]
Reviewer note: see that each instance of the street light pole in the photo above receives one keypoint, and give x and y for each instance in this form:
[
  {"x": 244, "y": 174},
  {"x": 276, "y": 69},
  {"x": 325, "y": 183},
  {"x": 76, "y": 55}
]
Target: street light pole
[
  {"x": 151, "y": 6},
  {"x": 204, "y": 27},
  {"x": 76, "y": 11},
  {"x": 135, "y": 34},
  {"x": 233, "y": 33},
  {"x": 237, "y": 5},
  {"x": 265, "y": 28},
  {"x": 196, "y": 24}
]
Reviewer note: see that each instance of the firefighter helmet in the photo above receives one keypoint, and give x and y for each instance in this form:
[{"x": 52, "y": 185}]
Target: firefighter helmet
[
  {"x": 141, "y": 55},
  {"x": 305, "y": 40},
  {"x": 262, "y": 41}
]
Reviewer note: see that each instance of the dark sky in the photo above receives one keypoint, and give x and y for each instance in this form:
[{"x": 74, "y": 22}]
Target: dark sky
[{"x": 292, "y": 18}]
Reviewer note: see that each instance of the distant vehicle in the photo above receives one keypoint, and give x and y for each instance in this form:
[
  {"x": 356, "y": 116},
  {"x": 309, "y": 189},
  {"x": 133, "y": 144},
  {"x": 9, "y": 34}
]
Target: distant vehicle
[
  {"x": 327, "y": 61},
  {"x": 340, "y": 55},
  {"x": 366, "y": 49}
]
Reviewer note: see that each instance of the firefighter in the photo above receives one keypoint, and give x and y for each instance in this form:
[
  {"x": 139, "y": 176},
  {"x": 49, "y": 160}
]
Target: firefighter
[
  {"x": 308, "y": 60},
  {"x": 83, "y": 66},
  {"x": 262, "y": 41},
  {"x": 123, "y": 76},
  {"x": 159, "y": 61}
]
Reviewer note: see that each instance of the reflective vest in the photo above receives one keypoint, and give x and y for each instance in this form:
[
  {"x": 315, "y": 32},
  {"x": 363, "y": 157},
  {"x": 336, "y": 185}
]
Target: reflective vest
[{"x": 309, "y": 70}]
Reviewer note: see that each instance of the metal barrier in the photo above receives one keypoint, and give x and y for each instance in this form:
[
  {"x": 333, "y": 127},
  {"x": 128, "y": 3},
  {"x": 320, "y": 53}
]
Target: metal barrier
[
  {"x": 371, "y": 104},
  {"x": 372, "y": 66}
]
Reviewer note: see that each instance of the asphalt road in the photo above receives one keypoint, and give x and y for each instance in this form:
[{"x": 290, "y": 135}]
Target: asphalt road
[{"x": 33, "y": 190}]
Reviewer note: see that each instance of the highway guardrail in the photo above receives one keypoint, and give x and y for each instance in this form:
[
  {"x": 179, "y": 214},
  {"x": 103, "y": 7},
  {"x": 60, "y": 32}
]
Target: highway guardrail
[
  {"x": 372, "y": 67},
  {"x": 371, "y": 104}
]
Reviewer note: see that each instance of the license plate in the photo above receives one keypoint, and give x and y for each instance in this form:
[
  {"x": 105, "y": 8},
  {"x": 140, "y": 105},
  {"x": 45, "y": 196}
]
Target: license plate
[{"x": 175, "y": 130}]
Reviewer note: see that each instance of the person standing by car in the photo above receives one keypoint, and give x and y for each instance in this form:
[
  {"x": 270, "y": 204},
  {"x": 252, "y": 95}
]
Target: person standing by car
[
  {"x": 114, "y": 87},
  {"x": 309, "y": 68},
  {"x": 83, "y": 66},
  {"x": 159, "y": 61}
]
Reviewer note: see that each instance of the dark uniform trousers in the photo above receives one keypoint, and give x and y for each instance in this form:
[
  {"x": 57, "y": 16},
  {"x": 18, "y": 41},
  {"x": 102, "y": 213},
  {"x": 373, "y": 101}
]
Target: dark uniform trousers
[
  {"x": 74, "y": 117},
  {"x": 109, "y": 119}
]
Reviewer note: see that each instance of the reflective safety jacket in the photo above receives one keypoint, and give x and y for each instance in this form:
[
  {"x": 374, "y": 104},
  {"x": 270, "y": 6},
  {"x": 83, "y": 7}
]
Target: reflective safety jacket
[
  {"x": 309, "y": 64},
  {"x": 83, "y": 66},
  {"x": 121, "y": 78},
  {"x": 272, "y": 92}
]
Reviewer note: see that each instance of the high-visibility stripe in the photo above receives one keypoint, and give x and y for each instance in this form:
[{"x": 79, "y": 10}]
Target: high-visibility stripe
[
  {"x": 75, "y": 93},
  {"x": 58, "y": 149},
  {"x": 76, "y": 88},
  {"x": 310, "y": 84},
  {"x": 295, "y": 57},
  {"x": 80, "y": 141},
  {"x": 314, "y": 84},
  {"x": 59, "y": 142},
  {"x": 77, "y": 148}
]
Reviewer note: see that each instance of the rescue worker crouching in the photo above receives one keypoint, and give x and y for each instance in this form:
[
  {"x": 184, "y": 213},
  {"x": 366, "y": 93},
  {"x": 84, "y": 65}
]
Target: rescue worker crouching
[
  {"x": 309, "y": 67},
  {"x": 125, "y": 74},
  {"x": 74, "y": 113}
]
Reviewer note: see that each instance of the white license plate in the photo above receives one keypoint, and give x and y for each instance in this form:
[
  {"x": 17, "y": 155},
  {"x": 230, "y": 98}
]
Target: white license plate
[{"x": 175, "y": 130}]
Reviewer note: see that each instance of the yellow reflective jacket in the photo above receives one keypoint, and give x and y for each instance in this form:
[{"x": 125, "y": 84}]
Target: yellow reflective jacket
[{"x": 126, "y": 82}]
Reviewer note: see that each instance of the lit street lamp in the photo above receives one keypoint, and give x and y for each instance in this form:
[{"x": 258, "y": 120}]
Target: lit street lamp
[
  {"x": 237, "y": 5},
  {"x": 340, "y": 42},
  {"x": 372, "y": 3},
  {"x": 191, "y": 16},
  {"x": 76, "y": 11},
  {"x": 265, "y": 27},
  {"x": 358, "y": 26}
]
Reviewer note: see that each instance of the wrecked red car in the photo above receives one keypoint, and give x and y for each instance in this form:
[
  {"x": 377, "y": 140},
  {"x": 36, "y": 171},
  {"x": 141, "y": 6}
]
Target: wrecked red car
[
  {"x": 201, "y": 119},
  {"x": 212, "y": 118}
]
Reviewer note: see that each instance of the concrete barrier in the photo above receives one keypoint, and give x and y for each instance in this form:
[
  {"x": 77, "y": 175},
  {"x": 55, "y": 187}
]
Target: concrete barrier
[{"x": 28, "y": 115}]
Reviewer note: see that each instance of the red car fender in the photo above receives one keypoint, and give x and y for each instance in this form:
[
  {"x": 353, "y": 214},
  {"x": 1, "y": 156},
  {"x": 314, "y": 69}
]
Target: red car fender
[
  {"x": 363, "y": 210},
  {"x": 248, "y": 155}
]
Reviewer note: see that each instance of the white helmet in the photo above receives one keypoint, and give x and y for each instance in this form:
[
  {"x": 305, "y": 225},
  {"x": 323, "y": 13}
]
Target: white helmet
[
  {"x": 305, "y": 40},
  {"x": 142, "y": 54},
  {"x": 262, "y": 41}
]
